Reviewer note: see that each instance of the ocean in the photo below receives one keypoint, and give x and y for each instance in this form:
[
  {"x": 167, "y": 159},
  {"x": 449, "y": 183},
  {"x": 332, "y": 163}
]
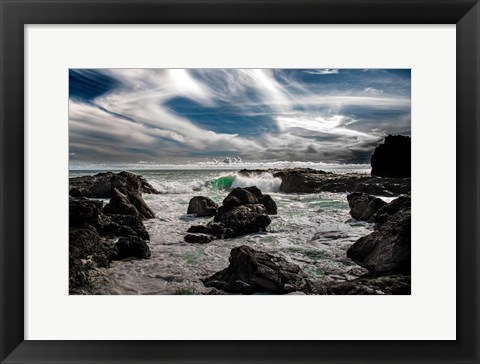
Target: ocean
[{"x": 313, "y": 231}]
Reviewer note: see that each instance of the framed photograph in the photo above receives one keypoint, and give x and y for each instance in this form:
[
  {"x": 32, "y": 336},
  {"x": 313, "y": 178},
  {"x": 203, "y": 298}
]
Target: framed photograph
[{"x": 239, "y": 181}]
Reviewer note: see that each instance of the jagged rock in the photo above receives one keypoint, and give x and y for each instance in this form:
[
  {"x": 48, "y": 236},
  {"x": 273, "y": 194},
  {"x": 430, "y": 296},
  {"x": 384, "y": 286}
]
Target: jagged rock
[
  {"x": 84, "y": 211},
  {"x": 307, "y": 180},
  {"x": 386, "y": 285},
  {"x": 229, "y": 203},
  {"x": 393, "y": 157},
  {"x": 132, "y": 246},
  {"x": 363, "y": 206},
  {"x": 388, "y": 249},
  {"x": 255, "y": 191},
  {"x": 246, "y": 219},
  {"x": 251, "y": 271},
  {"x": 269, "y": 204},
  {"x": 382, "y": 215},
  {"x": 202, "y": 206},
  {"x": 128, "y": 203},
  {"x": 245, "y": 196},
  {"x": 122, "y": 225},
  {"x": 102, "y": 184},
  {"x": 198, "y": 238}
]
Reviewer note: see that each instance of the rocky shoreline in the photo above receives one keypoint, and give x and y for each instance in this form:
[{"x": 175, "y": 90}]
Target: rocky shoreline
[{"x": 100, "y": 234}]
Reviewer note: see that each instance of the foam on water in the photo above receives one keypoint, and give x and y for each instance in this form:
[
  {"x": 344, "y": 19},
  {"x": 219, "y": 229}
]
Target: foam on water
[
  {"x": 313, "y": 231},
  {"x": 265, "y": 181}
]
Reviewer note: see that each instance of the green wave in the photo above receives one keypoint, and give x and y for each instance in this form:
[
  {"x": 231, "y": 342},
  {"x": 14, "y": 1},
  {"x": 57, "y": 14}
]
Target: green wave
[{"x": 223, "y": 183}]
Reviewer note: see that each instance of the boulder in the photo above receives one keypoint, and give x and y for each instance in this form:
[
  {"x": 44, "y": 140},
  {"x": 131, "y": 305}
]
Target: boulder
[
  {"x": 385, "y": 285},
  {"x": 229, "y": 203},
  {"x": 252, "y": 271},
  {"x": 128, "y": 203},
  {"x": 198, "y": 238},
  {"x": 387, "y": 249},
  {"x": 83, "y": 211},
  {"x": 363, "y": 206},
  {"x": 101, "y": 185},
  {"x": 255, "y": 191},
  {"x": 132, "y": 246},
  {"x": 245, "y": 196},
  {"x": 246, "y": 219},
  {"x": 269, "y": 203},
  {"x": 382, "y": 215},
  {"x": 393, "y": 157},
  {"x": 202, "y": 206},
  {"x": 112, "y": 226}
]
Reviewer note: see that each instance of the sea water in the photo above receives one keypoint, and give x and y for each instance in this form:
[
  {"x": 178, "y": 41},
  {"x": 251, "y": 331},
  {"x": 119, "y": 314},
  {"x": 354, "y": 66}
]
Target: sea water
[{"x": 313, "y": 231}]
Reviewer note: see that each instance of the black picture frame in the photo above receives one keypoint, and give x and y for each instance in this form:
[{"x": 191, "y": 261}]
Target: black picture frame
[{"x": 17, "y": 13}]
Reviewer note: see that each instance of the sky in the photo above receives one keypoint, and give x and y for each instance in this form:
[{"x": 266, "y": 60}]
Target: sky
[{"x": 187, "y": 115}]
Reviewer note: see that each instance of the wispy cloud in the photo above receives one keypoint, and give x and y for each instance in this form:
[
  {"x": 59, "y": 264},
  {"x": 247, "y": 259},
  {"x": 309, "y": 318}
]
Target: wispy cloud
[{"x": 158, "y": 115}]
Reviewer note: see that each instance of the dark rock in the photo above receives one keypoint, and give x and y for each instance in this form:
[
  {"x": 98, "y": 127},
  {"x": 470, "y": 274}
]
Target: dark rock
[
  {"x": 120, "y": 204},
  {"x": 363, "y": 206},
  {"x": 255, "y": 191},
  {"x": 269, "y": 204},
  {"x": 202, "y": 206},
  {"x": 86, "y": 251},
  {"x": 198, "y": 229},
  {"x": 251, "y": 271},
  {"x": 143, "y": 209},
  {"x": 198, "y": 238},
  {"x": 132, "y": 246},
  {"x": 102, "y": 184},
  {"x": 388, "y": 249},
  {"x": 229, "y": 203},
  {"x": 393, "y": 157},
  {"x": 122, "y": 225},
  {"x": 219, "y": 230},
  {"x": 83, "y": 211},
  {"x": 386, "y": 285},
  {"x": 246, "y": 219},
  {"x": 244, "y": 195},
  {"x": 128, "y": 203},
  {"x": 385, "y": 212}
]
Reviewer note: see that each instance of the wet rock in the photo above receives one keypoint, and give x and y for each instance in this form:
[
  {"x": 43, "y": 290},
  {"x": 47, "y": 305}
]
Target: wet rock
[
  {"x": 245, "y": 196},
  {"x": 255, "y": 191},
  {"x": 363, "y": 206},
  {"x": 385, "y": 285},
  {"x": 246, "y": 219},
  {"x": 122, "y": 225},
  {"x": 229, "y": 203},
  {"x": 252, "y": 271},
  {"x": 198, "y": 238},
  {"x": 132, "y": 246},
  {"x": 388, "y": 249},
  {"x": 393, "y": 157},
  {"x": 101, "y": 185},
  {"x": 84, "y": 211},
  {"x": 382, "y": 215},
  {"x": 128, "y": 203},
  {"x": 198, "y": 229},
  {"x": 270, "y": 204},
  {"x": 202, "y": 206}
]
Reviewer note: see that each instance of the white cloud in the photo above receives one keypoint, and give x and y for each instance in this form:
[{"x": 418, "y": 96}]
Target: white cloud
[{"x": 324, "y": 71}]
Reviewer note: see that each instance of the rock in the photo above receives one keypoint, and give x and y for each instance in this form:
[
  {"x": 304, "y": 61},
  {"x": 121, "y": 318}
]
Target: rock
[
  {"x": 251, "y": 271},
  {"x": 246, "y": 197},
  {"x": 82, "y": 211},
  {"x": 363, "y": 206},
  {"x": 122, "y": 225},
  {"x": 198, "y": 229},
  {"x": 120, "y": 204},
  {"x": 132, "y": 246},
  {"x": 269, "y": 204},
  {"x": 102, "y": 184},
  {"x": 128, "y": 203},
  {"x": 388, "y": 249},
  {"x": 393, "y": 157},
  {"x": 86, "y": 251},
  {"x": 202, "y": 206},
  {"x": 384, "y": 213},
  {"x": 246, "y": 219},
  {"x": 307, "y": 180},
  {"x": 255, "y": 191},
  {"x": 198, "y": 238},
  {"x": 386, "y": 285},
  {"x": 229, "y": 203}
]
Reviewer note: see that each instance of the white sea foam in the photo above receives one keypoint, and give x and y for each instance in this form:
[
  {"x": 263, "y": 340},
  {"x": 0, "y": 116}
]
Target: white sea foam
[
  {"x": 175, "y": 187},
  {"x": 265, "y": 181}
]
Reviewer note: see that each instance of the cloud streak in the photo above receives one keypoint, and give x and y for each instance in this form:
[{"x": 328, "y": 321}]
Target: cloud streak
[{"x": 164, "y": 116}]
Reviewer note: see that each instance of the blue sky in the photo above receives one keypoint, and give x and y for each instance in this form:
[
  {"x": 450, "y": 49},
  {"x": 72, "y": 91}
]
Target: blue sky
[{"x": 178, "y": 115}]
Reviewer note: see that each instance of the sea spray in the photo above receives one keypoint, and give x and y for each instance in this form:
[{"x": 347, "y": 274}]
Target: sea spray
[{"x": 264, "y": 181}]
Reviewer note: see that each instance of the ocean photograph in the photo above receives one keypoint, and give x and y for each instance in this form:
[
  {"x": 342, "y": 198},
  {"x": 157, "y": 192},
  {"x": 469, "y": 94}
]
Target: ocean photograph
[{"x": 239, "y": 181}]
